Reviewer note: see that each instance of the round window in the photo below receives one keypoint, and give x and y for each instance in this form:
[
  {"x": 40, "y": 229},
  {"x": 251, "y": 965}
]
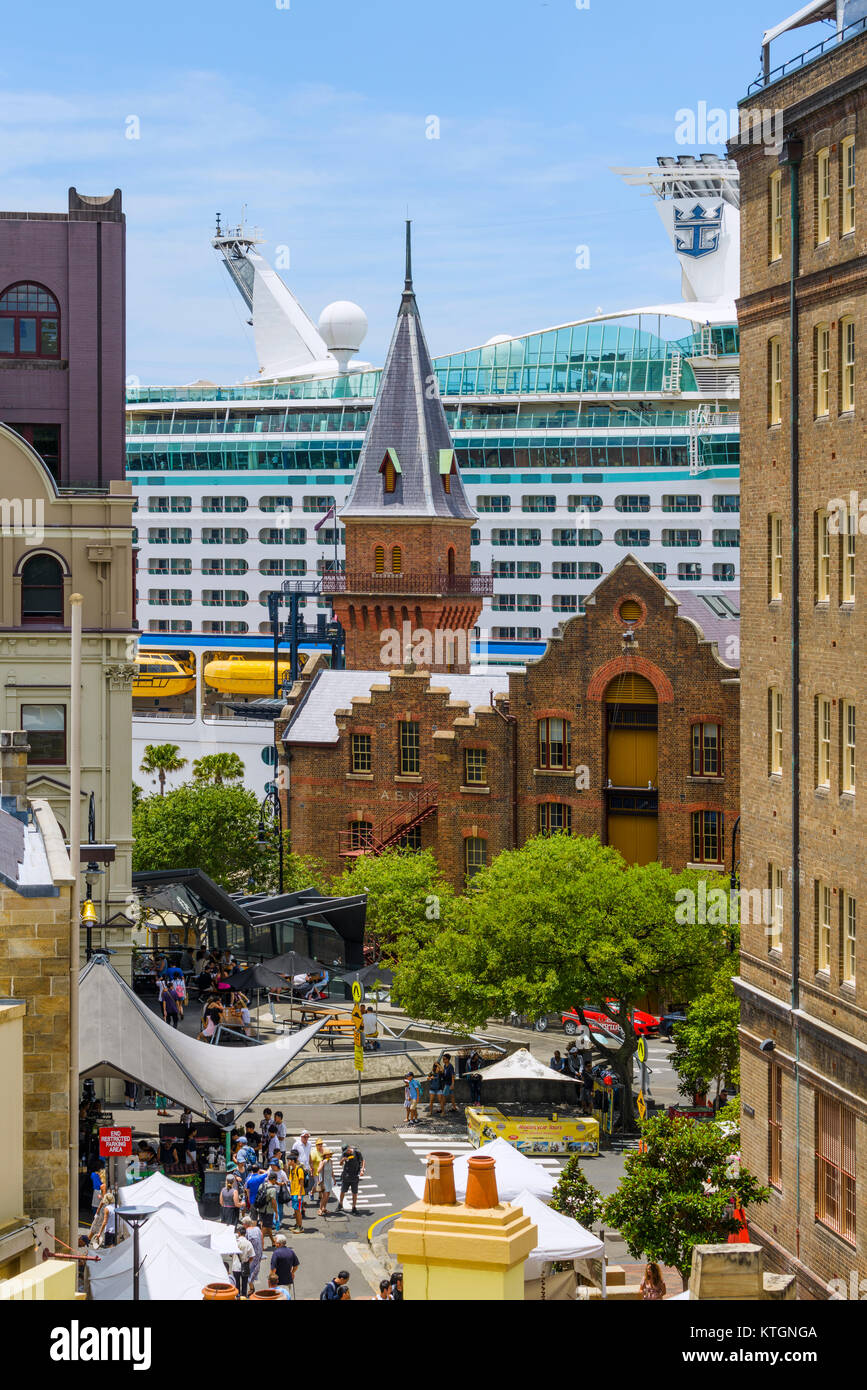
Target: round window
[
  {"x": 269, "y": 755},
  {"x": 630, "y": 610}
]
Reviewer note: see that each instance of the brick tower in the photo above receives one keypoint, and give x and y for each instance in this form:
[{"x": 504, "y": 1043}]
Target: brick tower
[{"x": 407, "y": 593}]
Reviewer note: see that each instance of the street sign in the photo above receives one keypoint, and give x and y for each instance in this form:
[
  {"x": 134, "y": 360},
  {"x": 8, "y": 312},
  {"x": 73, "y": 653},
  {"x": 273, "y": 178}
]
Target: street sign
[
  {"x": 359, "y": 1055},
  {"x": 115, "y": 1143},
  {"x": 642, "y": 1105},
  {"x": 641, "y": 1050},
  {"x": 356, "y": 1017},
  {"x": 357, "y": 991}
]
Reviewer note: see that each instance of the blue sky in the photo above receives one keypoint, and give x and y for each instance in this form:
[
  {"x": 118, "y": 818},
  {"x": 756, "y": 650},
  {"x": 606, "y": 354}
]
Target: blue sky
[{"x": 314, "y": 116}]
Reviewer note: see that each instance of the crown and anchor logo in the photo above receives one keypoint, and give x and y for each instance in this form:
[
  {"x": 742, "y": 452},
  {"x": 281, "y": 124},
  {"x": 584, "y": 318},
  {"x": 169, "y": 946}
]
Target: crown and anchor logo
[{"x": 697, "y": 232}]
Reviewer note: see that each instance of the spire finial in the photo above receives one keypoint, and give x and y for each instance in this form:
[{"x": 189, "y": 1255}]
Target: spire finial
[{"x": 408, "y": 283}]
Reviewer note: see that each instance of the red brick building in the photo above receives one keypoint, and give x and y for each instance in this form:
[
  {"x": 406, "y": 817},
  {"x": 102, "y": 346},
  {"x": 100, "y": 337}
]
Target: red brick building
[
  {"x": 626, "y": 728},
  {"x": 803, "y": 974}
]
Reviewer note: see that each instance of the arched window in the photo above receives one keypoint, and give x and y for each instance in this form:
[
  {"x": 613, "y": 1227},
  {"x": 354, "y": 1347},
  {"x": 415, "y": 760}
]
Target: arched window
[
  {"x": 29, "y": 322},
  {"x": 451, "y": 561},
  {"x": 379, "y": 560},
  {"x": 360, "y": 834},
  {"x": 42, "y": 591},
  {"x": 396, "y": 560}
]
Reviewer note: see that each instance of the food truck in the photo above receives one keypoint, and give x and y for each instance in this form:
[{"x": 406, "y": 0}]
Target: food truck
[{"x": 533, "y": 1134}]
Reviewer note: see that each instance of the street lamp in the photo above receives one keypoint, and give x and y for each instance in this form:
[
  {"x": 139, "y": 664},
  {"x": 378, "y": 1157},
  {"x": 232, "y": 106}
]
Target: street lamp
[
  {"x": 135, "y": 1217},
  {"x": 271, "y": 807}
]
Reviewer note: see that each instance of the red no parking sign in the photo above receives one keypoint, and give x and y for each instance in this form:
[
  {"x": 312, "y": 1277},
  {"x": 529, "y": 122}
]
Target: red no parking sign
[{"x": 115, "y": 1143}]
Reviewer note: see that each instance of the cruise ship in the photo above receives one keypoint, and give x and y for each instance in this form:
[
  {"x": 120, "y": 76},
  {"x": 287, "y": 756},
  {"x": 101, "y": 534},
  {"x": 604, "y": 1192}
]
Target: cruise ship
[{"x": 577, "y": 442}]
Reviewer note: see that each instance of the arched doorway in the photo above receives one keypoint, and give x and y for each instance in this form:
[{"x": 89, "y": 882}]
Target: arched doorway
[{"x": 632, "y": 763}]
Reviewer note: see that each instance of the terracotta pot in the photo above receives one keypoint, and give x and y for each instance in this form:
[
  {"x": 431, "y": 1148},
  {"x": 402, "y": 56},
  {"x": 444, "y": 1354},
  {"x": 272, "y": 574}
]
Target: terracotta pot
[
  {"x": 270, "y": 1294},
  {"x": 439, "y": 1179},
  {"x": 482, "y": 1183},
  {"x": 218, "y": 1291}
]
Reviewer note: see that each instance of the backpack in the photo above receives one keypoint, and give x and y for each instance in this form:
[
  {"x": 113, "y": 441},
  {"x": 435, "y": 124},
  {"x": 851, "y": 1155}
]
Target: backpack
[
  {"x": 263, "y": 1196},
  {"x": 330, "y": 1291}
]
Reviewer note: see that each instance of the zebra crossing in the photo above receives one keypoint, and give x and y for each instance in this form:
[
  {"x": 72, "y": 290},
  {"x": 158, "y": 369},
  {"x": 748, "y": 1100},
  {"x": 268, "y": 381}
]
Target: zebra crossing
[{"x": 421, "y": 1142}]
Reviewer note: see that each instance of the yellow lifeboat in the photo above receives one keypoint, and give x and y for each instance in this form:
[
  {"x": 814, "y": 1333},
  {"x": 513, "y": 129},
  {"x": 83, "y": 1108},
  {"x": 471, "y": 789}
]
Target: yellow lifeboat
[
  {"x": 158, "y": 673},
  {"x": 239, "y": 675}
]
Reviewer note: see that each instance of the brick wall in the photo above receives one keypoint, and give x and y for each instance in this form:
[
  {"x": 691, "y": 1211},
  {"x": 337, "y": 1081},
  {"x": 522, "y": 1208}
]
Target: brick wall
[
  {"x": 822, "y": 104},
  {"x": 568, "y": 682}
]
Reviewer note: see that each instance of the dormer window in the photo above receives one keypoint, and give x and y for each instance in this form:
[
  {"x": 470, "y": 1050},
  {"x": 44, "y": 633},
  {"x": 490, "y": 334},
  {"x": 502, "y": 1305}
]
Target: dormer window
[
  {"x": 390, "y": 468},
  {"x": 448, "y": 468}
]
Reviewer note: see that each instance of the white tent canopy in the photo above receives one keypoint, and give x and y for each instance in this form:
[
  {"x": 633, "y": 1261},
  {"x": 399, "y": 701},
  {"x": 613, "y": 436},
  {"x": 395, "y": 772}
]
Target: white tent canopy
[
  {"x": 172, "y": 1267},
  {"x": 514, "y": 1172},
  {"x": 523, "y": 1066},
  {"x": 120, "y": 1036},
  {"x": 559, "y": 1237},
  {"x": 155, "y": 1191}
]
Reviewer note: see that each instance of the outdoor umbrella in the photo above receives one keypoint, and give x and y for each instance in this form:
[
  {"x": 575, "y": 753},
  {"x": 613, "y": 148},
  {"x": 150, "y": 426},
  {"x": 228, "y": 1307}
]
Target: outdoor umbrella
[
  {"x": 371, "y": 975},
  {"x": 268, "y": 975}
]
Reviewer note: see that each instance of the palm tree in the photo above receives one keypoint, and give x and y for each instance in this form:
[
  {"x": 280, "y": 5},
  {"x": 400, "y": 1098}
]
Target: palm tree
[
  {"x": 218, "y": 768},
  {"x": 160, "y": 758}
]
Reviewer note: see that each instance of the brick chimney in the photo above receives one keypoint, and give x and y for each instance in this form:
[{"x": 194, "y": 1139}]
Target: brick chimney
[{"x": 13, "y": 770}]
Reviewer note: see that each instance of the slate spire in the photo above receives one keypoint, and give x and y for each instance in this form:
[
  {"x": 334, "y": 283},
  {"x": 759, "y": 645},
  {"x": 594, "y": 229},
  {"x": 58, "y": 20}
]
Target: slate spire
[{"x": 408, "y": 443}]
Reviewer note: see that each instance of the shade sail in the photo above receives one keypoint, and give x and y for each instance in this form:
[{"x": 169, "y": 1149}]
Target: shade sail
[
  {"x": 120, "y": 1036},
  {"x": 559, "y": 1237},
  {"x": 514, "y": 1173},
  {"x": 171, "y": 1267},
  {"x": 523, "y": 1066}
]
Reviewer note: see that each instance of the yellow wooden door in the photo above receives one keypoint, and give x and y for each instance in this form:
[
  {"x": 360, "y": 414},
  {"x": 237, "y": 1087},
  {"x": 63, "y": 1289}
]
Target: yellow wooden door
[
  {"x": 635, "y": 837},
  {"x": 633, "y": 757}
]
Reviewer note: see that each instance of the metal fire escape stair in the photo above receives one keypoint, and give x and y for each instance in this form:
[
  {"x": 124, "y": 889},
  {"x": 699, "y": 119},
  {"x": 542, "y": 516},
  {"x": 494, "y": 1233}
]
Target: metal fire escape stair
[{"x": 407, "y": 817}]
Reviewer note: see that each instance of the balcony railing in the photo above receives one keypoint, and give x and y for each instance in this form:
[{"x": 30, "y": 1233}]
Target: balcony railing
[{"x": 356, "y": 582}]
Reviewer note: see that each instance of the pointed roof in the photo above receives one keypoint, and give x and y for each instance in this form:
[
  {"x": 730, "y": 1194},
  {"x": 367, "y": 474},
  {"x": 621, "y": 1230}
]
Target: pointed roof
[{"x": 408, "y": 421}]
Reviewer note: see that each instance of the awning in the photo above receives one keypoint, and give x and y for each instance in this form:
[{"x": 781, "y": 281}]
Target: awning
[
  {"x": 560, "y": 1238},
  {"x": 523, "y": 1066},
  {"x": 187, "y": 893},
  {"x": 120, "y": 1036},
  {"x": 172, "y": 1267}
]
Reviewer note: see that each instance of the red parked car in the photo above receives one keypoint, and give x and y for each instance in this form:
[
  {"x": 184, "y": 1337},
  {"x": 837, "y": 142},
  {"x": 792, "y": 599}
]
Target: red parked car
[{"x": 645, "y": 1025}]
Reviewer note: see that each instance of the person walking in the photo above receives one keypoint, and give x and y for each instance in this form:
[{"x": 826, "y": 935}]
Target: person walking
[
  {"x": 284, "y": 1263},
  {"x": 473, "y": 1075},
  {"x": 301, "y": 1149},
  {"x": 410, "y": 1098},
  {"x": 296, "y": 1180},
  {"x": 267, "y": 1209},
  {"x": 334, "y": 1288},
  {"x": 242, "y": 1260},
  {"x": 326, "y": 1181},
  {"x": 168, "y": 1003},
  {"x": 230, "y": 1201},
  {"x": 98, "y": 1186},
  {"x": 353, "y": 1169},
  {"x": 653, "y": 1284},
  {"x": 434, "y": 1086},
  {"x": 253, "y": 1232},
  {"x": 384, "y": 1295},
  {"x": 106, "y": 1222},
  {"x": 448, "y": 1086}
]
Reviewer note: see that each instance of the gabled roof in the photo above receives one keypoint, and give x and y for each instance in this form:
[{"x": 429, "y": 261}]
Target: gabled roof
[{"x": 407, "y": 420}]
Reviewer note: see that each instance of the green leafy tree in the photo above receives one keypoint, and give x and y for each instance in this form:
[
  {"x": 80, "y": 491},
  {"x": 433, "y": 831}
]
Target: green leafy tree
[
  {"x": 160, "y": 759},
  {"x": 408, "y": 900},
  {"x": 681, "y": 1191},
  {"x": 707, "y": 1049},
  {"x": 575, "y": 1195},
  {"x": 559, "y": 923},
  {"x": 218, "y": 768},
  {"x": 213, "y": 828}
]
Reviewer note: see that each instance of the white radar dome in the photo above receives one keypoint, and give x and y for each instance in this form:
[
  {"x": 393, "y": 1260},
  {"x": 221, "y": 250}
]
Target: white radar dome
[
  {"x": 499, "y": 338},
  {"x": 343, "y": 326}
]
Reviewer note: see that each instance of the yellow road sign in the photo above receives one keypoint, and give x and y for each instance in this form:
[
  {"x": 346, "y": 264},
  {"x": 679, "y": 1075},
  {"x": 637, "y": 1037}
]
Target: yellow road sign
[
  {"x": 359, "y": 1057},
  {"x": 357, "y": 991},
  {"x": 642, "y": 1105},
  {"x": 641, "y": 1050},
  {"x": 356, "y": 1016}
]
